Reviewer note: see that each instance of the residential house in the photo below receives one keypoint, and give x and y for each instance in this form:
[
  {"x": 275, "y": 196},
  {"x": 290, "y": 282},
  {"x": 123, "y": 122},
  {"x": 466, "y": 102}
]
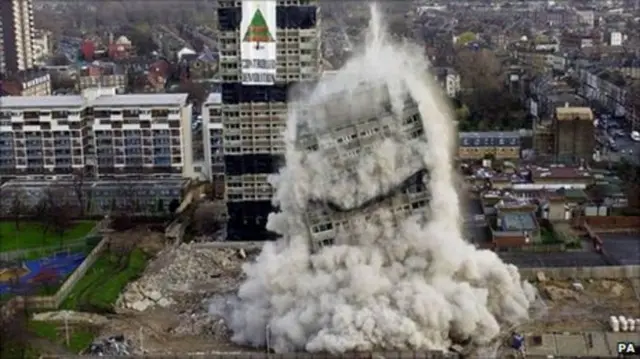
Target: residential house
[
  {"x": 610, "y": 90},
  {"x": 477, "y": 145},
  {"x": 448, "y": 79},
  {"x": 102, "y": 75}
]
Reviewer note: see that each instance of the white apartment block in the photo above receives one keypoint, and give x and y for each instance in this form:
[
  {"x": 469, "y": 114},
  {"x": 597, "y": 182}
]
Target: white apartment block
[
  {"x": 98, "y": 131},
  {"x": 16, "y": 35}
]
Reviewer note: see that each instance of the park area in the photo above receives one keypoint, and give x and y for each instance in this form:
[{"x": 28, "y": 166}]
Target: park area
[
  {"x": 122, "y": 260},
  {"x": 36, "y": 260},
  {"x": 31, "y": 235}
]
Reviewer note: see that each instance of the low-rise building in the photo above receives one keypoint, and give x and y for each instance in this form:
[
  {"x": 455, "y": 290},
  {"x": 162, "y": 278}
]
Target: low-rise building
[
  {"x": 108, "y": 75},
  {"x": 32, "y": 82},
  {"x": 478, "y": 145},
  {"x": 141, "y": 196}
]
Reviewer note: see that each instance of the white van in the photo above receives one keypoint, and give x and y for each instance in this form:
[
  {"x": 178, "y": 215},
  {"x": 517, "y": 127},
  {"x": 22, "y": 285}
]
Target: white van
[{"x": 635, "y": 136}]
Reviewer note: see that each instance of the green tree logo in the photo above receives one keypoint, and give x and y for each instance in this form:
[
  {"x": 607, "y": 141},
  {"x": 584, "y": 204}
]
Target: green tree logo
[{"x": 258, "y": 31}]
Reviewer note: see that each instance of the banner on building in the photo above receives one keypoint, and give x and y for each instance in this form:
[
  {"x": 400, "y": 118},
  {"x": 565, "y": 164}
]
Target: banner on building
[{"x": 258, "y": 46}]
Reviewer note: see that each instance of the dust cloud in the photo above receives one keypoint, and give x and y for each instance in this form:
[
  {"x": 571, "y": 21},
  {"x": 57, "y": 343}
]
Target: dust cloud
[{"x": 402, "y": 286}]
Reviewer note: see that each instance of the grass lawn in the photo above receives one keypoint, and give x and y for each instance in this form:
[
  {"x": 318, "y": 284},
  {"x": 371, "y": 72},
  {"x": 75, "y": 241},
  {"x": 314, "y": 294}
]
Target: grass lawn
[
  {"x": 79, "y": 338},
  {"x": 30, "y": 235},
  {"x": 98, "y": 290}
]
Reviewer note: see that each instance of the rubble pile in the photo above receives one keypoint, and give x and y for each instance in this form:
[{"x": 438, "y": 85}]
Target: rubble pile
[
  {"x": 111, "y": 346},
  {"x": 139, "y": 297},
  {"x": 202, "y": 324},
  {"x": 187, "y": 269}
]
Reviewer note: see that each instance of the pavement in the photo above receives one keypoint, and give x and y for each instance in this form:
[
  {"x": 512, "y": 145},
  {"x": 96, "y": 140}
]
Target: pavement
[
  {"x": 623, "y": 248},
  {"x": 554, "y": 259},
  {"x": 592, "y": 344}
]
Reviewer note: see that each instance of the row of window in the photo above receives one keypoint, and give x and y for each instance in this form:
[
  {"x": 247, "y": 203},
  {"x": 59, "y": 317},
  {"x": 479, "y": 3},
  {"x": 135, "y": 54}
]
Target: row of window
[
  {"x": 489, "y": 141},
  {"x": 235, "y": 93},
  {"x": 287, "y": 17}
]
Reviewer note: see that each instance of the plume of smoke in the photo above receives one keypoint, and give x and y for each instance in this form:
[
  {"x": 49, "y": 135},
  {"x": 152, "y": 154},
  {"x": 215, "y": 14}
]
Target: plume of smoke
[{"x": 407, "y": 285}]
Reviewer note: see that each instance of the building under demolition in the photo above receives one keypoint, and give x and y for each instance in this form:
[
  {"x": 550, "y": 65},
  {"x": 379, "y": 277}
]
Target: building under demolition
[{"x": 349, "y": 143}]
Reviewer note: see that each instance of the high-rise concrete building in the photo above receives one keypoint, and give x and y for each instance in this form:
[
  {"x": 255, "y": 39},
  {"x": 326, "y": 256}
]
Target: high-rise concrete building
[
  {"x": 16, "y": 35},
  {"x": 266, "y": 47}
]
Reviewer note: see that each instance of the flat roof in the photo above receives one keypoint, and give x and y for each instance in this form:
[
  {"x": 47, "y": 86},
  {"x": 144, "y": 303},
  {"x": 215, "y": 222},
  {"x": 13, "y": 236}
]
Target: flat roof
[
  {"x": 571, "y": 113},
  {"x": 22, "y": 102},
  {"x": 176, "y": 99},
  {"x": 487, "y": 134},
  {"x": 623, "y": 248},
  {"x": 214, "y": 98}
]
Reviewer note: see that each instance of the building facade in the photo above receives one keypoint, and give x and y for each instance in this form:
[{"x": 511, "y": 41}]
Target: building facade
[
  {"x": 30, "y": 82},
  {"x": 477, "y": 145},
  {"x": 574, "y": 134},
  {"x": 141, "y": 196},
  {"x": 98, "y": 131},
  {"x": 16, "y": 35},
  {"x": 252, "y": 118},
  {"x": 102, "y": 76}
]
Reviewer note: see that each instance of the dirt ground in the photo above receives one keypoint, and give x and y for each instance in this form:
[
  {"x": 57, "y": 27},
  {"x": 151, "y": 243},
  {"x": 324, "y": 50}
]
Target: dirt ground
[
  {"x": 184, "y": 326},
  {"x": 570, "y": 309}
]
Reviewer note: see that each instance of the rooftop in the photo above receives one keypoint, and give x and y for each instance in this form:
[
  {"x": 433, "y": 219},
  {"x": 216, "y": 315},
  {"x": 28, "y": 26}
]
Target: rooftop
[
  {"x": 22, "y": 102},
  {"x": 175, "y": 99},
  {"x": 503, "y": 134},
  {"x": 572, "y": 113}
]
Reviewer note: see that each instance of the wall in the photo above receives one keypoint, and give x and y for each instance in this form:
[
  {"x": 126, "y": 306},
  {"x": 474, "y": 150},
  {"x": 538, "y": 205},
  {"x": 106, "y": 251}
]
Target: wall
[
  {"x": 601, "y": 272},
  {"x": 612, "y": 222}
]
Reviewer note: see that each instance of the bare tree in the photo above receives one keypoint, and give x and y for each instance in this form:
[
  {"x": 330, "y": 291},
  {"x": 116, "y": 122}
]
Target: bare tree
[
  {"x": 78, "y": 190},
  {"x": 13, "y": 334},
  {"x": 61, "y": 220},
  {"x": 18, "y": 207}
]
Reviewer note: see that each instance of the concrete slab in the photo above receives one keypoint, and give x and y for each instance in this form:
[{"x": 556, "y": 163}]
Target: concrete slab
[
  {"x": 547, "y": 347},
  {"x": 597, "y": 344},
  {"x": 571, "y": 345}
]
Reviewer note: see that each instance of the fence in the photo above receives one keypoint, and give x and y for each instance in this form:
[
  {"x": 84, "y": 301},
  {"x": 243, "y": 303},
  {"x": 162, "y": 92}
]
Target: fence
[
  {"x": 54, "y": 301},
  {"x": 41, "y": 251},
  {"x": 44, "y": 251},
  {"x": 599, "y": 272}
]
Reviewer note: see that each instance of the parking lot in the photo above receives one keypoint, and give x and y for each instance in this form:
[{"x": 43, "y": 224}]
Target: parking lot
[
  {"x": 624, "y": 249},
  {"x": 554, "y": 259}
]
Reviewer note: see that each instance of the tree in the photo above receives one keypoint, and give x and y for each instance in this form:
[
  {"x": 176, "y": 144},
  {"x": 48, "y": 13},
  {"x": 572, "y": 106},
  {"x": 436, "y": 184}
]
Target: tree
[
  {"x": 466, "y": 37},
  {"x": 61, "y": 220},
  {"x": 13, "y": 334},
  {"x": 17, "y": 209},
  {"x": 491, "y": 106},
  {"x": 174, "y": 205},
  {"x": 78, "y": 189}
]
